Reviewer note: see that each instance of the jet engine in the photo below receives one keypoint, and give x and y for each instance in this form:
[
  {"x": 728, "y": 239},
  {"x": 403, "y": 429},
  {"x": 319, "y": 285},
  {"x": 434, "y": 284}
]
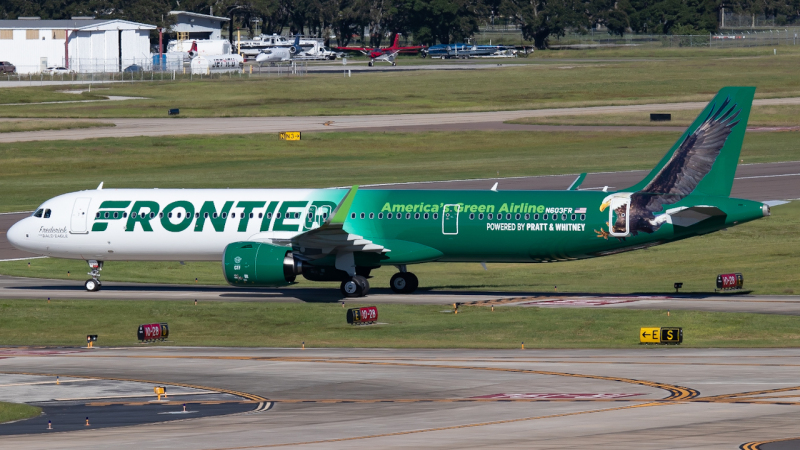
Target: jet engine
[{"x": 259, "y": 264}]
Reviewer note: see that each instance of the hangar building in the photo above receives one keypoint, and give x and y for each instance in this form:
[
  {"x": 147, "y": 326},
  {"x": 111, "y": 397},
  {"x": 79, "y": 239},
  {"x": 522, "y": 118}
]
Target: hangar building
[
  {"x": 82, "y": 44},
  {"x": 197, "y": 26}
]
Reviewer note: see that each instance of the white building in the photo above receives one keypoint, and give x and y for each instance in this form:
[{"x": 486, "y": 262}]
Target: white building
[
  {"x": 197, "y": 26},
  {"x": 80, "y": 44}
]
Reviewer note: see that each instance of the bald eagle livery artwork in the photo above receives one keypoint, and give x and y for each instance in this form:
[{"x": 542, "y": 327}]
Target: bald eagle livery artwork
[{"x": 635, "y": 212}]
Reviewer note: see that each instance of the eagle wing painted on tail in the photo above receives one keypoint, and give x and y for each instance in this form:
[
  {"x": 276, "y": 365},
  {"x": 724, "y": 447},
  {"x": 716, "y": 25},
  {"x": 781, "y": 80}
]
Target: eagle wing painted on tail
[{"x": 690, "y": 163}]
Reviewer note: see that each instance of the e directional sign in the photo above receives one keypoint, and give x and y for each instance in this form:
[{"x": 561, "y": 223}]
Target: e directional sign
[
  {"x": 650, "y": 335},
  {"x": 662, "y": 335}
]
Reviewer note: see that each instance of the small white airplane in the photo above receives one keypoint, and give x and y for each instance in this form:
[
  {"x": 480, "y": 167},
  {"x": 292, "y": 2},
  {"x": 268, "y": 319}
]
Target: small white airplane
[{"x": 280, "y": 54}]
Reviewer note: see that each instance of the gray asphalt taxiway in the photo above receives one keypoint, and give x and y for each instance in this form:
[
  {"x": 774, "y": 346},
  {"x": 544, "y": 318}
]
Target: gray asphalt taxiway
[{"x": 664, "y": 397}]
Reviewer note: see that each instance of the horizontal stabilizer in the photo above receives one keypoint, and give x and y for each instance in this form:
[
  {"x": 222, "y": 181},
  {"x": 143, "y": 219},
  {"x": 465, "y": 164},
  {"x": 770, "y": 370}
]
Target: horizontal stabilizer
[{"x": 688, "y": 216}]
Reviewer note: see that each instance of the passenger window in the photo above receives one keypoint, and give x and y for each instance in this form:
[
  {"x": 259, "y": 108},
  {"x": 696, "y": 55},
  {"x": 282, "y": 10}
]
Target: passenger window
[
  {"x": 508, "y": 216},
  {"x": 489, "y": 216},
  {"x": 471, "y": 216},
  {"x": 535, "y": 217},
  {"x": 269, "y": 215},
  {"x": 179, "y": 215},
  {"x": 278, "y": 216},
  {"x": 169, "y": 215},
  {"x": 325, "y": 216},
  {"x": 105, "y": 215},
  {"x": 260, "y": 215},
  {"x": 161, "y": 215},
  {"x": 46, "y": 213},
  {"x": 583, "y": 216},
  {"x": 544, "y": 217},
  {"x": 371, "y": 215},
  {"x": 426, "y": 216},
  {"x": 517, "y": 217},
  {"x": 380, "y": 215},
  {"x": 408, "y": 215},
  {"x": 563, "y": 217},
  {"x": 214, "y": 216},
  {"x": 224, "y": 215},
  {"x": 480, "y": 216},
  {"x": 309, "y": 216},
  {"x": 116, "y": 215},
  {"x": 124, "y": 215},
  {"x": 435, "y": 216},
  {"x": 196, "y": 215},
  {"x": 527, "y": 217},
  {"x": 205, "y": 215},
  {"x": 251, "y": 215},
  {"x": 416, "y": 216},
  {"x": 352, "y": 215},
  {"x": 389, "y": 215},
  {"x": 39, "y": 212},
  {"x": 152, "y": 215},
  {"x": 362, "y": 215},
  {"x": 573, "y": 217},
  {"x": 233, "y": 215}
]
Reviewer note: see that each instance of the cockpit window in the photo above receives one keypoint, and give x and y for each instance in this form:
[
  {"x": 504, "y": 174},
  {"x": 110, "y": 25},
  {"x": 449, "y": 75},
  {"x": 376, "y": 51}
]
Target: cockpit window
[
  {"x": 38, "y": 213},
  {"x": 46, "y": 213}
]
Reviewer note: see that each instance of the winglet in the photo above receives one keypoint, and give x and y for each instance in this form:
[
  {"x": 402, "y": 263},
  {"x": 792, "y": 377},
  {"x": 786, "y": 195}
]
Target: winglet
[
  {"x": 577, "y": 183},
  {"x": 340, "y": 214},
  {"x": 100, "y": 186}
]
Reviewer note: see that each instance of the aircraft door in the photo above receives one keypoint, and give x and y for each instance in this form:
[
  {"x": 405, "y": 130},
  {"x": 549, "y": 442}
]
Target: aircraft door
[
  {"x": 619, "y": 217},
  {"x": 80, "y": 216},
  {"x": 450, "y": 219}
]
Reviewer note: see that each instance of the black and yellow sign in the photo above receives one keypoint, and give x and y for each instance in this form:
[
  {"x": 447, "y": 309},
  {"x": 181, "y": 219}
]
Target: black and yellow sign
[
  {"x": 290, "y": 136},
  {"x": 663, "y": 335}
]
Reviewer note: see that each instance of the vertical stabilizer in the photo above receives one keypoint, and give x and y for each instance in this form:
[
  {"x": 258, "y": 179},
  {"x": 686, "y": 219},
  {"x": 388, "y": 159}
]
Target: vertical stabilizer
[{"x": 713, "y": 140}]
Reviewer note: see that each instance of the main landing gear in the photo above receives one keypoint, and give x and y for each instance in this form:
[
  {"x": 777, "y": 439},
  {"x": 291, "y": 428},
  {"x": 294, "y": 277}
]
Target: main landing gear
[
  {"x": 93, "y": 285},
  {"x": 403, "y": 282},
  {"x": 358, "y": 286}
]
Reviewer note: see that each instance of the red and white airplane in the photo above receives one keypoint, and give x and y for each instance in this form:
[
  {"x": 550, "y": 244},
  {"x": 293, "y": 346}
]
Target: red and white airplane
[{"x": 386, "y": 54}]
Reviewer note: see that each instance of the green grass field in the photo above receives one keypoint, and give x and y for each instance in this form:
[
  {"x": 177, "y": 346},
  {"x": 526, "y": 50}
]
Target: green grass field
[
  {"x": 17, "y": 411},
  {"x": 766, "y": 251},
  {"x": 36, "y": 322},
  {"x": 534, "y": 84},
  {"x": 31, "y": 172},
  {"x": 786, "y": 116}
]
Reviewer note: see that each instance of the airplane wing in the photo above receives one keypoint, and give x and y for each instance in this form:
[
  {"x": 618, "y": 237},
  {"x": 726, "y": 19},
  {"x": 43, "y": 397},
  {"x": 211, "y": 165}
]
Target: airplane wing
[{"x": 330, "y": 237}]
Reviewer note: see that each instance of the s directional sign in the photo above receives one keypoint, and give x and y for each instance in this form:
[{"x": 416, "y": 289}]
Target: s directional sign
[
  {"x": 650, "y": 335},
  {"x": 663, "y": 335}
]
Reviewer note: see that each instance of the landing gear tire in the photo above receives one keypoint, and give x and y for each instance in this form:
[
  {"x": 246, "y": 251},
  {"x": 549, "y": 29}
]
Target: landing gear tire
[
  {"x": 404, "y": 283},
  {"x": 394, "y": 64},
  {"x": 370, "y": 63},
  {"x": 358, "y": 286},
  {"x": 92, "y": 285}
]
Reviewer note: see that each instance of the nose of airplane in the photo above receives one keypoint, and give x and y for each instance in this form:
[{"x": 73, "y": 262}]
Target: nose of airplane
[{"x": 17, "y": 234}]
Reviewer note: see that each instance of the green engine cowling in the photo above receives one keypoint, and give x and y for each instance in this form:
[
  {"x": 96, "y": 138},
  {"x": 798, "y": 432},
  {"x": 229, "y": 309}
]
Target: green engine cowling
[{"x": 259, "y": 264}]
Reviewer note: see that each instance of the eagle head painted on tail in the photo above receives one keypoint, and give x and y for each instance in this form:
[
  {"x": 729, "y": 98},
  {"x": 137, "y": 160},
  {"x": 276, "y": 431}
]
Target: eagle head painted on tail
[{"x": 689, "y": 164}]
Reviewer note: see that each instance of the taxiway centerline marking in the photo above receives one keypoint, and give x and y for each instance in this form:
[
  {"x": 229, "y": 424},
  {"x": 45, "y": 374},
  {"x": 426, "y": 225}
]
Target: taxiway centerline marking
[{"x": 453, "y": 427}]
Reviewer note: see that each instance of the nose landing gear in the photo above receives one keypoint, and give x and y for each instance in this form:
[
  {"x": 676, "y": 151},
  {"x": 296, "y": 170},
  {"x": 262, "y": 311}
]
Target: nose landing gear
[{"x": 93, "y": 285}]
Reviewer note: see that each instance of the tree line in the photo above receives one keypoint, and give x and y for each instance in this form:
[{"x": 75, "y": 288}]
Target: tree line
[{"x": 428, "y": 22}]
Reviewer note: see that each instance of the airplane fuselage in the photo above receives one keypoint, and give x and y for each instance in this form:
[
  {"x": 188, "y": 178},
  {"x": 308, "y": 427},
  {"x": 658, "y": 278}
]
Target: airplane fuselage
[{"x": 415, "y": 226}]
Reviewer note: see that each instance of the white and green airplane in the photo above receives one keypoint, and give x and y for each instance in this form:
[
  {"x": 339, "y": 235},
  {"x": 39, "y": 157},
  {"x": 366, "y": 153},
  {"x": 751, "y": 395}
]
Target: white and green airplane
[{"x": 267, "y": 237}]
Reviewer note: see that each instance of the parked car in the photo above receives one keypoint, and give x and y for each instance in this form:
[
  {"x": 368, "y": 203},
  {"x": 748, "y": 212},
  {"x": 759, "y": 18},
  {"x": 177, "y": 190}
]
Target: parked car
[
  {"x": 54, "y": 70},
  {"x": 7, "y": 67},
  {"x": 133, "y": 68}
]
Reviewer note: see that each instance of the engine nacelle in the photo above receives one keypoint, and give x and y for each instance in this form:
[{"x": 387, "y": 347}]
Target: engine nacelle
[{"x": 259, "y": 264}]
